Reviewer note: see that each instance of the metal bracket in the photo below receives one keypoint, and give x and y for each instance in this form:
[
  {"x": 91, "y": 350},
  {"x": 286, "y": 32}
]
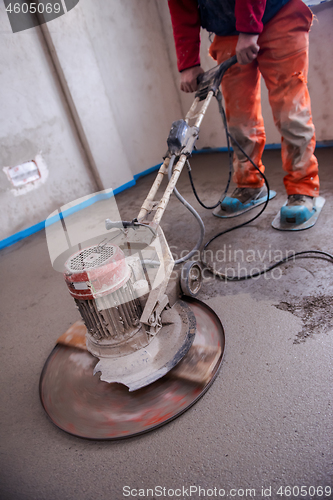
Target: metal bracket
[
  {"x": 181, "y": 138},
  {"x": 157, "y": 300},
  {"x": 154, "y": 320}
]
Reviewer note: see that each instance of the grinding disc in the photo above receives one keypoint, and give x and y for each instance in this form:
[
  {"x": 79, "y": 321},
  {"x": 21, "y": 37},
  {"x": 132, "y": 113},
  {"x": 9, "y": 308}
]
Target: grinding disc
[{"x": 79, "y": 403}]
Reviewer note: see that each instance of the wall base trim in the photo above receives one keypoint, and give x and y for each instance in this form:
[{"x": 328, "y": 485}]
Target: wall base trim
[{"x": 20, "y": 235}]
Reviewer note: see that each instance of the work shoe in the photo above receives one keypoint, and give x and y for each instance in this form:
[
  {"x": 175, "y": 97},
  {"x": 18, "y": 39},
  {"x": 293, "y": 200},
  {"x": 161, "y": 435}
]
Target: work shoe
[
  {"x": 299, "y": 209},
  {"x": 242, "y": 200}
]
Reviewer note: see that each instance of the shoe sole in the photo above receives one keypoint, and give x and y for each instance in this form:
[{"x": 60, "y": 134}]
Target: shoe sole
[
  {"x": 222, "y": 214},
  {"x": 289, "y": 226}
]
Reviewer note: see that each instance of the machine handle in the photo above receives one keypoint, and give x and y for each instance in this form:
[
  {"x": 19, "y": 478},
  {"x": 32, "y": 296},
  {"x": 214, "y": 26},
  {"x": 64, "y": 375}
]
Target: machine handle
[
  {"x": 120, "y": 224},
  {"x": 211, "y": 79},
  {"x": 125, "y": 224}
]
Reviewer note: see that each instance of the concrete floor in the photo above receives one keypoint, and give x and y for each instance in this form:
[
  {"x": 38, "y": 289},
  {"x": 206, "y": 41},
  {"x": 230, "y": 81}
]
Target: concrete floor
[{"x": 266, "y": 421}]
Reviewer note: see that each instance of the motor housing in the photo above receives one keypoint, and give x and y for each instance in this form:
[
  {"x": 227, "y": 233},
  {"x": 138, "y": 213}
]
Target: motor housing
[{"x": 109, "y": 300}]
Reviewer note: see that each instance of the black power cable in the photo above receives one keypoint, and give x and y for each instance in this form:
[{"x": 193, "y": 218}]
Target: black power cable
[{"x": 224, "y": 119}]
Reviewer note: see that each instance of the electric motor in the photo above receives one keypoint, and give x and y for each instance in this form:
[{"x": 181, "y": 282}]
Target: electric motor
[{"x": 108, "y": 298}]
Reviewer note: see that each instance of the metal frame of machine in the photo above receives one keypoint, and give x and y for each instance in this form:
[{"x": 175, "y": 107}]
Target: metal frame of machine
[{"x": 144, "y": 336}]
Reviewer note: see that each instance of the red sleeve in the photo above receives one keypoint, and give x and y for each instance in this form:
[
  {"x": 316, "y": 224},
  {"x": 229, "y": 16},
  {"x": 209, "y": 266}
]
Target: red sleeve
[
  {"x": 249, "y": 14},
  {"x": 186, "y": 32}
]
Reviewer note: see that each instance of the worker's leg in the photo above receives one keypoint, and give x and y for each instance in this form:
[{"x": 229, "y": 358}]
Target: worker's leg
[
  {"x": 241, "y": 92},
  {"x": 283, "y": 62}
]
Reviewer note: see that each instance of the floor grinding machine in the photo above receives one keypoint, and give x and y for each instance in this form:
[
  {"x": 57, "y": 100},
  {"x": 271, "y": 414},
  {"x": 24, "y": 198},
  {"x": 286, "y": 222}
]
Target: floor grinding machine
[{"x": 146, "y": 349}]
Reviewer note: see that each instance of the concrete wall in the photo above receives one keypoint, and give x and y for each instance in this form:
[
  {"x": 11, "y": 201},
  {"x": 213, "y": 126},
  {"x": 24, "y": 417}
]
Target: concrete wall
[
  {"x": 35, "y": 120},
  {"x": 93, "y": 93},
  {"x": 114, "y": 60},
  {"x": 321, "y": 70}
]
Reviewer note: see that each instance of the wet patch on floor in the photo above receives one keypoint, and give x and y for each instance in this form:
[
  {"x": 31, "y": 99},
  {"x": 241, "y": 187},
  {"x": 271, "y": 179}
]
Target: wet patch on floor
[{"x": 316, "y": 312}]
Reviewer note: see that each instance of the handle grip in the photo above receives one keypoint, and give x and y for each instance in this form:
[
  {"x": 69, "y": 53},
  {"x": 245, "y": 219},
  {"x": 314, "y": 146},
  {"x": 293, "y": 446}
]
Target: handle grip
[
  {"x": 120, "y": 224},
  {"x": 211, "y": 79}
]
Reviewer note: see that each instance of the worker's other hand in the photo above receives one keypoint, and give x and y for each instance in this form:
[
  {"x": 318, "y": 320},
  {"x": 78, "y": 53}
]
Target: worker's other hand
[
  {"x": 247, "y": 48},
  {"x": 188, "y": 78}
]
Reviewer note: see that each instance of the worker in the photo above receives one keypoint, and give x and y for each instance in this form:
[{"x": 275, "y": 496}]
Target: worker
[{"x": 269, "y": 37}]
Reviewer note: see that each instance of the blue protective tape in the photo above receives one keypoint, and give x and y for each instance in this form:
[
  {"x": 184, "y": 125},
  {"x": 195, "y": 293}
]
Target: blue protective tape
[
  {"x": 148, "y": 171},
  {"x": 124, "y": 186},
  {"x": 51, "y": 220},
  {"x": 268, "y": 147},
  {"x": 21, "y": 235},
  {"x": 104, "y": 195},
  {"x": 60, "y": 215}
]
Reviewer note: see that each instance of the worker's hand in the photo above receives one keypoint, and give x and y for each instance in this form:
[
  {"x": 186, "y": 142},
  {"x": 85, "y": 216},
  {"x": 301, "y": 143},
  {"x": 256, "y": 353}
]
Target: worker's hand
[
  {"x": 188, "y": 79},
  {"x": 247, "y": 48}
]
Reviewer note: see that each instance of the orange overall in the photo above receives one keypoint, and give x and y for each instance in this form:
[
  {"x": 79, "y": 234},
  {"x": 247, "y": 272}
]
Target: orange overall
[{"x": 283, "y": 63}]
